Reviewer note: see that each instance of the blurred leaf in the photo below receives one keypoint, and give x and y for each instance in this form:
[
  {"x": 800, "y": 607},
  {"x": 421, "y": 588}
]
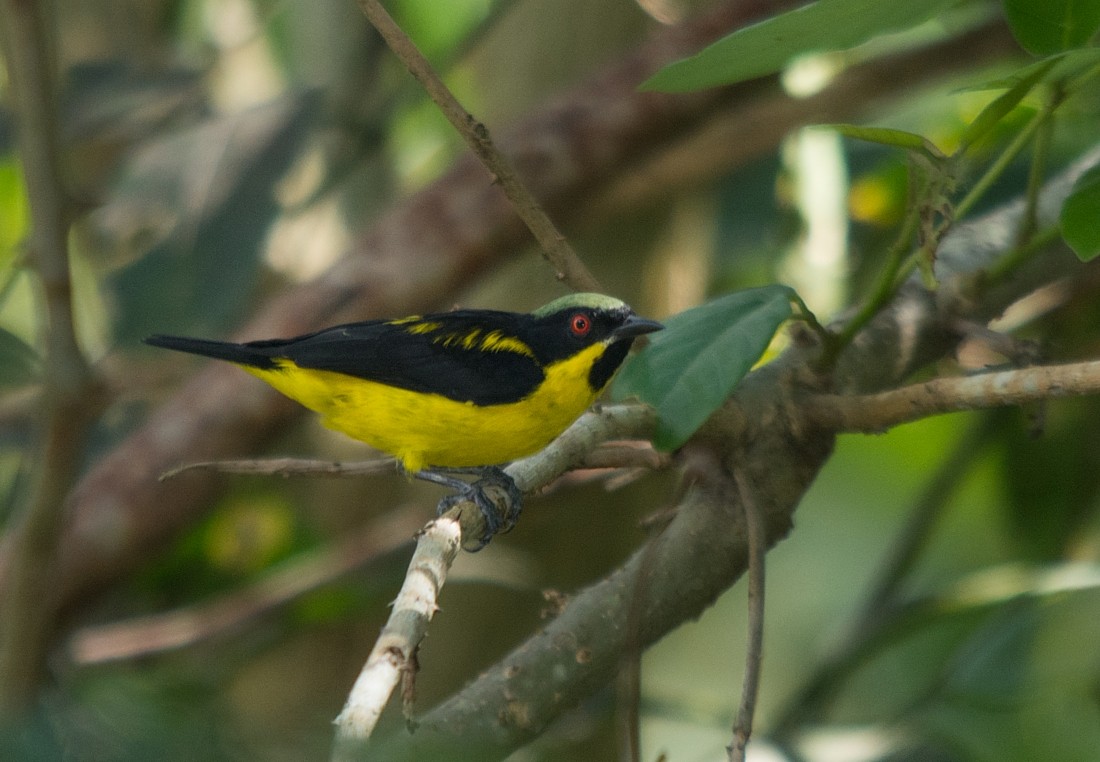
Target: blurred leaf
[
  {"x": 976, "y": 708},
  {"x": 1081, "y": 216},
  {"x": 249, "y": 535},
  {"x": 766, "y": 47},
  {"x": 211, "y": 192},
  {"x": 1043, "y": 27},
  {"x": 1051, "y": 480},
  {"x": 992, "y": 114},
  {"x": 689, "y": 369},
  {"x": 19, "y": 363},
  {"x": 438, "y": 28},
  {"x": 1066, "y": 65},
  {"x": 990, "y": 668},
  {"x": 14, "y": 213},
  {"x": 889, "y": 137}
]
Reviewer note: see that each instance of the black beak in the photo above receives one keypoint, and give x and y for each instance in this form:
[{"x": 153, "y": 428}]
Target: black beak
[{"x": 636, "y": 326}]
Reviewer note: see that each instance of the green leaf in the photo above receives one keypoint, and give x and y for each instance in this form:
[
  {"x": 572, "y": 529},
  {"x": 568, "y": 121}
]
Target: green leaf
[
  {"x": 992, "y": 114},
  {"x": 19, "y": 363},
  {"x": 766, "y": 47},
  {"x": 889, "y": 137},
  {"x": 690, "y": 368},
  {"x": 1043, "y": 27},
  {"x": 1081, "y": 216}
]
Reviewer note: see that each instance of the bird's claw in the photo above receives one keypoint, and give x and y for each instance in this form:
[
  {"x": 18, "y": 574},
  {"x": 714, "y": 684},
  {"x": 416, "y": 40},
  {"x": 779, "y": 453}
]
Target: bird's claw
[{"x": 497, "y": 520}]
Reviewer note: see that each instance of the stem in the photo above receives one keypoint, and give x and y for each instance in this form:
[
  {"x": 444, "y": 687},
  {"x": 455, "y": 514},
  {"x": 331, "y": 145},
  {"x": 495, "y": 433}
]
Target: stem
[
  {"x": 757, "y": 540},
  {"x": 998, "y": 167},
  {"x": 885, "y": 289}
]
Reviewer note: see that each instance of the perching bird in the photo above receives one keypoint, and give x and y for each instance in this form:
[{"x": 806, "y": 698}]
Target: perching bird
[{"x": 459, "y": 392}]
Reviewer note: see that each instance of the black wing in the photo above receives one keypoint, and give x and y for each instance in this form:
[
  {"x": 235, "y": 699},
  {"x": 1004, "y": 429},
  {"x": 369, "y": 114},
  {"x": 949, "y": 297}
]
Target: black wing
[{"x": 417, "y": 355}]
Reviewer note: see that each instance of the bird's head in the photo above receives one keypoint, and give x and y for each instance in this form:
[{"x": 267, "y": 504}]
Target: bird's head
[
  {"x": 584, "y": 319},
  {"x": 568, "y": 325}
]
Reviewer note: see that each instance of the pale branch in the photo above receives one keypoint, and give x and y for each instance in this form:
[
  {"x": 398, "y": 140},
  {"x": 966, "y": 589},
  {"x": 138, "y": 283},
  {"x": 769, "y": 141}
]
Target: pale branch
[
  {"x": 875, "y": 413},
  {"x": 279, "y": 586},
  {"x": 395, "y": 650},
  {"x": 72, "y": 397},
  {"x": 555, "y": 248},
  {"x": 463, "y": 525}
]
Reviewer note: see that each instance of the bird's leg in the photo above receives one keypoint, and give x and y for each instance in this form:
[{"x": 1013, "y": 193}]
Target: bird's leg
[{"x": 475, "y": 492}]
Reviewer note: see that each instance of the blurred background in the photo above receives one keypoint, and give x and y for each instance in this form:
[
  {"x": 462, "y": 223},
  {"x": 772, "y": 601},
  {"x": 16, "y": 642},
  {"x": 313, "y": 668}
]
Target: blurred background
[{"x": 222, "y": 151}]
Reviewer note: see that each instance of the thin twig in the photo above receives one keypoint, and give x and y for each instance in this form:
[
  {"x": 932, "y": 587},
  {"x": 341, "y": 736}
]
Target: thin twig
[
  {"x": 628, "y": 681},
  {"x": 288, "y": 467},
  {"x": 622, "y": 455},
  {"x": 555, "y": 248},
  {"x": 873, "y": 413},
  {"x": 756, "y": 536},
  {"x": 71, "y": 395}
]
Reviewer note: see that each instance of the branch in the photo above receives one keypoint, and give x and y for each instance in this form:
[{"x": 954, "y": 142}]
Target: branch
[
  {"x": 555, "y": 247},
  {"x": 71, "y": 395},
  {"x": 396, "y": 647},
  {"x": 875, "y": 413}
]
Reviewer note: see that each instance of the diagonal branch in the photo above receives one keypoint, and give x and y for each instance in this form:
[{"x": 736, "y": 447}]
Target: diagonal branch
[{"x": 555, "y": 247}]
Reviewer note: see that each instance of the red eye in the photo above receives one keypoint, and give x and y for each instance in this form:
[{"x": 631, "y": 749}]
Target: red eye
[{"x": 580, "y": 324}]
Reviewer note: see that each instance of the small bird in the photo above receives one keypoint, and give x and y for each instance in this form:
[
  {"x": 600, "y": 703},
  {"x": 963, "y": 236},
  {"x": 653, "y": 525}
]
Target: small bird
[{"x": 460, "y": 392}]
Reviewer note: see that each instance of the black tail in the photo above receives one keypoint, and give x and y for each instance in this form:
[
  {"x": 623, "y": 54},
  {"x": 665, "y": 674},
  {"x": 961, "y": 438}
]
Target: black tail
[{"x": 242, "y": 354}]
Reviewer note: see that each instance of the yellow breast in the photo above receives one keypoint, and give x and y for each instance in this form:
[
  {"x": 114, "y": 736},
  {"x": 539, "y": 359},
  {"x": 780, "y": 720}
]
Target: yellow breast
[{"x": 431, "y": 430}]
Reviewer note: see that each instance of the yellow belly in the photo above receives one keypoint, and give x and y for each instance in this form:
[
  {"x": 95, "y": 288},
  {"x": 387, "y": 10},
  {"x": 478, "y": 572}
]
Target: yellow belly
[{"x": 431, "y": 430}]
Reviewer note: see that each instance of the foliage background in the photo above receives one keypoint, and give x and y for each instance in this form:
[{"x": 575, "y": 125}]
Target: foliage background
[{"x": 223, "y": 149}]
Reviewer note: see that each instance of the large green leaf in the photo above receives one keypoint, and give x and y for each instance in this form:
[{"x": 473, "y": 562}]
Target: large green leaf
[
  {"x": 766, "y": 47},
  {"x": 1044, "y": 27},
  {"x": 1081, "y": 216},
  {"x": 690, "y": 368}
]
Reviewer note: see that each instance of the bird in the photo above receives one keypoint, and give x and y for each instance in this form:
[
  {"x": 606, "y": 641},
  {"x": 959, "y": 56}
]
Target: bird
[{"x": 450, "y": 393}]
